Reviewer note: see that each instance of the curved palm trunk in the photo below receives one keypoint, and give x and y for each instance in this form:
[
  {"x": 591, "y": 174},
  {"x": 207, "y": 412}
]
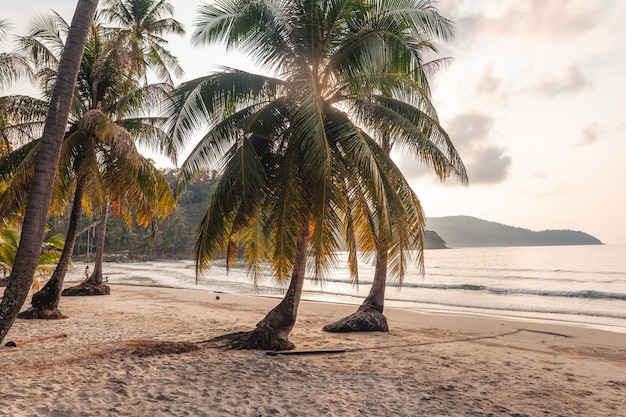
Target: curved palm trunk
[
  {"x": 94, "y": 285},
  {"x": 34, "y": 225},
  {"x": 272, "y": 332},
  {"x": 376, "y": 298},
  {"x": 45, "y": 303},
  {"x": 369, "y": 316}
]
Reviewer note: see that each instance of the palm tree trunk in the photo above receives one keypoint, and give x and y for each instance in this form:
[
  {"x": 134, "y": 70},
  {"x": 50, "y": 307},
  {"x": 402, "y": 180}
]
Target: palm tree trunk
[
  {"x": 273, "y": 331},
  {"x": 34, "y": 225},
  {"x": 96, "y": 276},
  {"x": 45, "y": 303},
  {"x": 376, "y": 298},
  {"x": 369, "y": 316},
  {"x": 282, "y": 318},
  {"x": 95, "y": 285}
]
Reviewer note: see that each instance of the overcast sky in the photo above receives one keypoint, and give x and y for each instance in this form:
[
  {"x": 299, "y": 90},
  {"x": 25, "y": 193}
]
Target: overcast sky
[{"x": 534, "y": 102}]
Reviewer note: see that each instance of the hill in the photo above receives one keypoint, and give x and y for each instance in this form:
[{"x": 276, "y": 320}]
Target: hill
[
  {"x": 434, "y": 241},
  {"x": 466, "y": 231}
]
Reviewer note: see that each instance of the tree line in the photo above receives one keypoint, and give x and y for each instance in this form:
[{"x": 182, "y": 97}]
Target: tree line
[{"x": 169, "y": 238}]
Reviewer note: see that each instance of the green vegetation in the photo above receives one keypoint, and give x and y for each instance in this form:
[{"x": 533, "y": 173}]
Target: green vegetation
[{"x": 50, "y": 254}]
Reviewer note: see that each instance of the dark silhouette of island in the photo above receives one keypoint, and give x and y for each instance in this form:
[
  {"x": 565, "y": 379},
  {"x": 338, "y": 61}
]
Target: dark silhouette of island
[
  {"x": 434, "y": 241},
  {"x": 466, "y": 231}
]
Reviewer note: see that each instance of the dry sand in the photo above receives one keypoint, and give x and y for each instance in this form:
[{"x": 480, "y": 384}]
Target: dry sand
[{"x": 427, "y": 365}]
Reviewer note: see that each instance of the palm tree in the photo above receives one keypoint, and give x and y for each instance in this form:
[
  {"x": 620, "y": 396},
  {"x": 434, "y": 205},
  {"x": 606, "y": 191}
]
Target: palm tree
[
  {"x": 141, "y": 195},
  {"x": 33, "y": 228},
  {"x": 299, "y": 162},
  {"x": 369, "y": 316},
  {"x": 97, "y": 147},
  {"x": 140, "y": 26},
  {"x": 141, "y": 23},
  {"x": 13, "y": 66}
]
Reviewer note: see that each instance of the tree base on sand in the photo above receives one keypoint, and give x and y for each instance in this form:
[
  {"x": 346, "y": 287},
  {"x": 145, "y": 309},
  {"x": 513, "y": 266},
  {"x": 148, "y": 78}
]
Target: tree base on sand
[
  {"x": 366, "y": 319},
  {"x": 263, "y": 337},
  {"x": 87, "y": 288},
  {"x": 39, "y": 314}
]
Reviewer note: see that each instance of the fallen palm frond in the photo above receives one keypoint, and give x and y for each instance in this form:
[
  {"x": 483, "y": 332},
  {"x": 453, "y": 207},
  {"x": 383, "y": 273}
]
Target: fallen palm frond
[{"x": 146, "y": 348}]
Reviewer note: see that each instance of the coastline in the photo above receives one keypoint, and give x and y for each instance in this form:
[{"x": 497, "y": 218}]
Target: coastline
[
  {"x": 428, "y": 364},
  {"x": 181, "y": 274}
]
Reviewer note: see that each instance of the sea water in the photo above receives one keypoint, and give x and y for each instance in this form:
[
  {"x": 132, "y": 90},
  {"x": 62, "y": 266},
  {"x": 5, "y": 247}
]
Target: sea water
[{"x": 582, "y": 285}]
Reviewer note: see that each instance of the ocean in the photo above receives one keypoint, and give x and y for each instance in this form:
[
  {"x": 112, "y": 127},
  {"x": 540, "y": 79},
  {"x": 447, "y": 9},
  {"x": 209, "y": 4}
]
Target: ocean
[{"x": 580, "y": 285}]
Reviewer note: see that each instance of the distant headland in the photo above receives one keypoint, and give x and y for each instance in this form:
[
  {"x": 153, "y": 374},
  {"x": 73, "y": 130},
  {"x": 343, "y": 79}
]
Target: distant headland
[{"x": 467, "y": 232}]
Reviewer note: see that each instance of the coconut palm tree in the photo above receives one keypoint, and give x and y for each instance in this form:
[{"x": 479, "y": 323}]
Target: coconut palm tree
[
  {"x": 33, "y": 228},
  {"x": 369, "y": 316},
  {"x": 98, "y": 146},
  {"x": 14, "y": 121},
  {"x": 297, "y": 151},
  {"x": 13, "y": 66},
  {"x": 141, "y": 196},
  {"x": 46, "y": 45},
  {"x": 140, "y": 25}
]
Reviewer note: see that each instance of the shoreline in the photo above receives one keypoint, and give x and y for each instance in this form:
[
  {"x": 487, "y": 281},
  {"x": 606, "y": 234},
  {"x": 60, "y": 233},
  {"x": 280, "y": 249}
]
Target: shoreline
[
  {"x": 143, "y": 273},
  {"x": 428, "y": 364},
  {"x": 423, "y": 308}
]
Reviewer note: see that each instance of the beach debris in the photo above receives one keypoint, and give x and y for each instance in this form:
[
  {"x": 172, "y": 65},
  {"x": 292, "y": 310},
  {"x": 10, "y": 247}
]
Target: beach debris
[
  {"x": 306, "y": 352},
  {"x": 545, "y": 332}
]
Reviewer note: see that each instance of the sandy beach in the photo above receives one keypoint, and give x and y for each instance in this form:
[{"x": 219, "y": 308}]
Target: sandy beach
[{"x": 137, "y": 352}]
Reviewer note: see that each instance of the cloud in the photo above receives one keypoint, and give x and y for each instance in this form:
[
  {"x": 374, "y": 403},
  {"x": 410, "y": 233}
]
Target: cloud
[
  {"x": 485, "y": 162},
  {"x": 489, "y": 88},
  {"x": 589, "y": 134},
  {"x": 570, "y": 80},
  {"x": 466, "y": 129},
  {"x": 488, "y": 82},
  {"x": 547, "y": 20},
  {"x": 488, "y": 165}
]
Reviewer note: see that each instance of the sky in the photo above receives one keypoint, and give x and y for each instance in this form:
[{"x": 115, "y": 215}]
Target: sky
[{"x": 534, "y": 101}]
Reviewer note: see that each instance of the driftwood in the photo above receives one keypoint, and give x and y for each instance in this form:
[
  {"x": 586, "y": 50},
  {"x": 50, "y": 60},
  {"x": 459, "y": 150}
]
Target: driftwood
[{"x": 306, "y": 352}]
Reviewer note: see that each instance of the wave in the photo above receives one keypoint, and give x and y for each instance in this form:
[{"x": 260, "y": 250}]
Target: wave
[
  {"x": 526, "y": 309},
  {"x": 592, "y": 294}
]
